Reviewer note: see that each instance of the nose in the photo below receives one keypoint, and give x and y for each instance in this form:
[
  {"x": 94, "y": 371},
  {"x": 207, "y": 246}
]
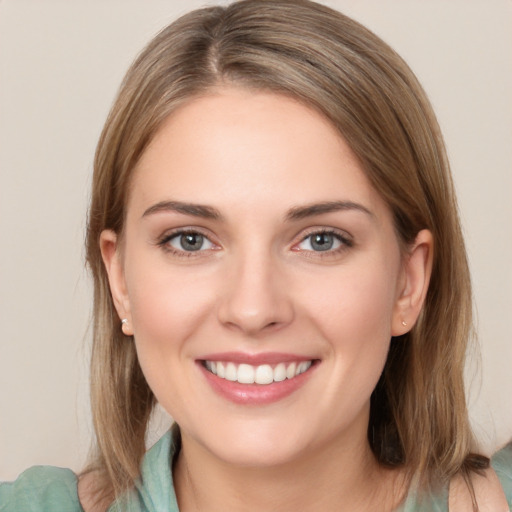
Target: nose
[{"x": 255, "y": 298}]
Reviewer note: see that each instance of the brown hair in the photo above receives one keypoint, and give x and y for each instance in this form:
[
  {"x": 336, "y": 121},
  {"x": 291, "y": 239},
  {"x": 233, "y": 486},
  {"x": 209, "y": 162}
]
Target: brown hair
[{"x": 418, "y": 417}]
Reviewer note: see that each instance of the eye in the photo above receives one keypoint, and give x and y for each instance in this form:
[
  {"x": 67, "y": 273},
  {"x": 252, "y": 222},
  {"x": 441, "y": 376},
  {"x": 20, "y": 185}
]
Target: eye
[
  {"x": 188, "y": 241},
  {"x": 324, "y": 241}
]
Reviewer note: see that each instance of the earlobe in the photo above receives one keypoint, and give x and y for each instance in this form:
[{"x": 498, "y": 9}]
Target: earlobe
[
  {"x": 109, "y": 245},
  {"x": 415, "y": 278}
]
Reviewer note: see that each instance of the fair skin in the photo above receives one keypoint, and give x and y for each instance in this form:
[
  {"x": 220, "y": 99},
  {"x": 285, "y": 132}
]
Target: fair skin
[{"x": 253, "y": 239}]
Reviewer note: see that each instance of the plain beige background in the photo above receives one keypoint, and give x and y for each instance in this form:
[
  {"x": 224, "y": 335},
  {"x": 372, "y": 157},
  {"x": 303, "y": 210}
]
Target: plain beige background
[{"x": 60, "y": 65}]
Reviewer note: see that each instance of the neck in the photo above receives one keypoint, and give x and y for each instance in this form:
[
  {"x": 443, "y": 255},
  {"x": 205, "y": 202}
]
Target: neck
[{"x": 330, "y": 478}]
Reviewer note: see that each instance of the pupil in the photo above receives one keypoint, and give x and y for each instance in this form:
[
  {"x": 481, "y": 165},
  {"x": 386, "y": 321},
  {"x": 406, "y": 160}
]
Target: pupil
[
  {"x": 191, "y": 241},
  {"x": 322, "y": 242}
]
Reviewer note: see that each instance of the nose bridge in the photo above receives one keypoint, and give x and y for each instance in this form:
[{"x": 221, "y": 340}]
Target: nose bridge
[{"x": 255, "y": 297}]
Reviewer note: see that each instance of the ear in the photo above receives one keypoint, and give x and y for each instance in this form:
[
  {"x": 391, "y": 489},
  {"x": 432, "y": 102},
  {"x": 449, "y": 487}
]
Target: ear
[
  {"x": 413, "y": 283},
  {"x": 112, "y": 258}
]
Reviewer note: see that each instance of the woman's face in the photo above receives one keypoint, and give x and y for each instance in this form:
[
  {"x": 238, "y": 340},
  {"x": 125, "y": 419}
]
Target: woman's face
[{"x": 255, "y": 249}]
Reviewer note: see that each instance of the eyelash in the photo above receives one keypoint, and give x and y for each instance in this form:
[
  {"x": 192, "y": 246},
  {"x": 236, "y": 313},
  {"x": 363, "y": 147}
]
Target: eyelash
[
  {"x": 345, "y": 243},
  {"x": 165, "y": 245}
]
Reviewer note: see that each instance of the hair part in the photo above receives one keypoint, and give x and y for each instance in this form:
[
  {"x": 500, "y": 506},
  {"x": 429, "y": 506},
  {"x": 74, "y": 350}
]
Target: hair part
[{"x": 336, "y": 66}]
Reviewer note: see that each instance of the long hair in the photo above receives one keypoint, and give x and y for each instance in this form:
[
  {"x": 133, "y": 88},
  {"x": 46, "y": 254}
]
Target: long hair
[{"x": 418, "y": 416}]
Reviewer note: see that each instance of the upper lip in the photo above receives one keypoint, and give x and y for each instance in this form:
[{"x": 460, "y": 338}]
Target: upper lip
[{"x": 256, "y": 359}]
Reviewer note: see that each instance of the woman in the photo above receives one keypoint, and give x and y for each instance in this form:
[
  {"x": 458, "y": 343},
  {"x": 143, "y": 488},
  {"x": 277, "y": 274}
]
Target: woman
[{"x": 277, "y": 260}]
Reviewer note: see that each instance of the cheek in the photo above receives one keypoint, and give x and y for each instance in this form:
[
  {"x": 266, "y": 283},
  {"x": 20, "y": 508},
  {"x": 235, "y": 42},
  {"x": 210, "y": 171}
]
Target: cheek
[
  {"x": 167, "y": 303},
  {"x": 356, "y": 306},
  {"x": 360, "y": 335},
  {"x": 354, "y": 314}
]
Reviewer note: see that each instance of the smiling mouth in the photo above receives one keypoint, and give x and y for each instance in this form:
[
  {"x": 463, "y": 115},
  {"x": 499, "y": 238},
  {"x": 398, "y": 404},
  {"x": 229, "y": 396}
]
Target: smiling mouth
[{"x": 260, "y": 374}]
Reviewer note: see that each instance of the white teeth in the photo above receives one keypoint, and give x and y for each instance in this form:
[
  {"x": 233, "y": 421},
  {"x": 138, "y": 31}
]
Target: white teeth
[
  {"x": 245, "y": 374},
  {"x": 302, "y": 367},
  {"x": 231, "y": 372},
  {"x": 280, "y": 372},
  {"x": 290, "y": 371},
  {"x": 221, "y": 371},
  {"x": 262, "y": 374}
]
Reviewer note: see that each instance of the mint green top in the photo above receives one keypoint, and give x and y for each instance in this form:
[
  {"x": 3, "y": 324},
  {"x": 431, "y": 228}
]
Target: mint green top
[
  {"x": 50, "y": 489},
  {"x": 502, "y": 464}
]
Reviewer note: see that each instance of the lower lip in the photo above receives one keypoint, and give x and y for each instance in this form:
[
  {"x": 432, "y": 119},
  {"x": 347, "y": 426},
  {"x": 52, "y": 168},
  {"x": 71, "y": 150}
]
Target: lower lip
[{"x": 256, "y": 394}]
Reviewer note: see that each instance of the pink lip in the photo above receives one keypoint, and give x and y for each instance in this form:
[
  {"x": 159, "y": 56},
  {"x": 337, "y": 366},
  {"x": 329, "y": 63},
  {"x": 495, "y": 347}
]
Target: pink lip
[
  {"x": 255, "y": 394},
  {"x": 256, "y": 359}
]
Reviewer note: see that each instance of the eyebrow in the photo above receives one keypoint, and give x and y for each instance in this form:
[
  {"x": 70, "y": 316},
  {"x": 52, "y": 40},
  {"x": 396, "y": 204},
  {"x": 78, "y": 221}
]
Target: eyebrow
[
  {"x": 196, "y": 210},
  {"x": 302, "y": 212},
  {"x": 293, "y": 214}
]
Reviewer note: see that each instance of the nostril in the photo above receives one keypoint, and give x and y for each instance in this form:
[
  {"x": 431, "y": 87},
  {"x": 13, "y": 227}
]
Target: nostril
[{"x": 255, "y": 306}]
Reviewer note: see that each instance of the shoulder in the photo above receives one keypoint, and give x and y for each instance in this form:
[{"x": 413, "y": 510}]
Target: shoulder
[
  {"x": 488, "y": 493},
  {"x": 502, "y": 465},
  {"x": 41, "y": 489}
]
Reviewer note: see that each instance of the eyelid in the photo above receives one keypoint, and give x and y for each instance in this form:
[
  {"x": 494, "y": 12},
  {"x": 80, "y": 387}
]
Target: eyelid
[
  {"x": 176, "y": 240},
  {"x": 316, "y": 230},
  {"x": 345, "y": 238},
  {"x": 164, "y": 239}
]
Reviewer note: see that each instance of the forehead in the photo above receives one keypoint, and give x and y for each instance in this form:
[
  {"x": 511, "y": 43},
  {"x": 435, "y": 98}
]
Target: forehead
[{"x": 251, "y": 149}]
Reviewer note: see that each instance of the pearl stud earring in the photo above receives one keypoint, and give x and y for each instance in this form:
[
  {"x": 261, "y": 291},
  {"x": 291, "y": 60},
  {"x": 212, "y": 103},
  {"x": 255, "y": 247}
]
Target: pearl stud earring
[{"x": 124, "y": 326}]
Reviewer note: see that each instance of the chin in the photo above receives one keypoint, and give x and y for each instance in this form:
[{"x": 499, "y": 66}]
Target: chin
[
  {"x": 259, "y": 455},
  {"x": 256, "y": 443}
]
